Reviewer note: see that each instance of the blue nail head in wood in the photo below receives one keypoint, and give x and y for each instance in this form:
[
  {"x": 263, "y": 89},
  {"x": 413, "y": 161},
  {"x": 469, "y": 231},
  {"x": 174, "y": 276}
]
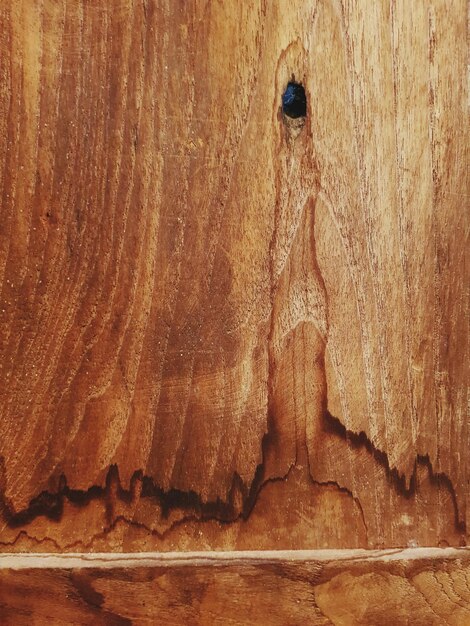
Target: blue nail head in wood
[{"x": 294, "y": 100}]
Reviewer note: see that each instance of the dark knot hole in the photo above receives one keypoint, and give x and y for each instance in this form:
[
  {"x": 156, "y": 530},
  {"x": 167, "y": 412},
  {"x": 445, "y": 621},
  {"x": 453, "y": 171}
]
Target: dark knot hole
[{"x": 294, "y": 100}]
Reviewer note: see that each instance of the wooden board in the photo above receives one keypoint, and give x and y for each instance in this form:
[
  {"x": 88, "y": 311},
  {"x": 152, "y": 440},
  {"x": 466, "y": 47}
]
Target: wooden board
[
  {"x": 345, "y": 588},
  {"x": 219, "y": 331}
]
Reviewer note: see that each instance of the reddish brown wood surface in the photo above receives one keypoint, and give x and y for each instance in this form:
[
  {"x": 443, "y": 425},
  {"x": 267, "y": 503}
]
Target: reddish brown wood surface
[
  {"x": 218, "y": 331},
  {"x": 344, "y": 588}
]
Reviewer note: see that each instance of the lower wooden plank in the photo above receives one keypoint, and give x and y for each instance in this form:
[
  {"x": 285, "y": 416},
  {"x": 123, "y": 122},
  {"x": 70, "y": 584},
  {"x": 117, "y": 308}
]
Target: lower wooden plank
[{"x": 345, "y": 587}]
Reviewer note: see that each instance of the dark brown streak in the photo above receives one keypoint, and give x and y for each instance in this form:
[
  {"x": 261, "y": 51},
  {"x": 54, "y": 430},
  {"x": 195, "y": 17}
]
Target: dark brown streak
[
  {"x": 51, "y": 505},
  {"x": 399, "y": 481}
]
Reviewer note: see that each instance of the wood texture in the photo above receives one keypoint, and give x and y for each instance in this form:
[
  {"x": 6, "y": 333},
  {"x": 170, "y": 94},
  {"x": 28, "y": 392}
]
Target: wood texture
[
  {"x": 217, "y": 332},
  {"x": 344, "y": 588}
]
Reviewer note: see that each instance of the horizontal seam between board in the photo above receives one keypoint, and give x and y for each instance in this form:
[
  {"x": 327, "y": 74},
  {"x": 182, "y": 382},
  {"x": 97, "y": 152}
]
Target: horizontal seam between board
[{"x": 167, "y": 559}]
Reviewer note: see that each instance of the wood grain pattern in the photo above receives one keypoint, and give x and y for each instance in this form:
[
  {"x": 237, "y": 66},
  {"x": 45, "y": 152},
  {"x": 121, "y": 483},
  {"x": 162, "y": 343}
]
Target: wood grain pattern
[
  {"x": 216, "y": 332},
  {"x": 345, "y": 588}
]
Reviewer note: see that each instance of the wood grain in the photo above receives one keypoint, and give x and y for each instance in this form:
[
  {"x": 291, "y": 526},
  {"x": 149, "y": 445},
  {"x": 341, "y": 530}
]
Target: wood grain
[
  {"x": 217, "y": 332},
  {"x": 345, "y": 588}
]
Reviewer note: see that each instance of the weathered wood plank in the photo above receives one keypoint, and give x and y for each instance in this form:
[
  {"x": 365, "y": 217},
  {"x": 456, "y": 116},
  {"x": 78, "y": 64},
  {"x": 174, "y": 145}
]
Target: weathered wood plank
[
  {"x": 350, "y": 588},
  {"x": 220, "y": 330}
]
